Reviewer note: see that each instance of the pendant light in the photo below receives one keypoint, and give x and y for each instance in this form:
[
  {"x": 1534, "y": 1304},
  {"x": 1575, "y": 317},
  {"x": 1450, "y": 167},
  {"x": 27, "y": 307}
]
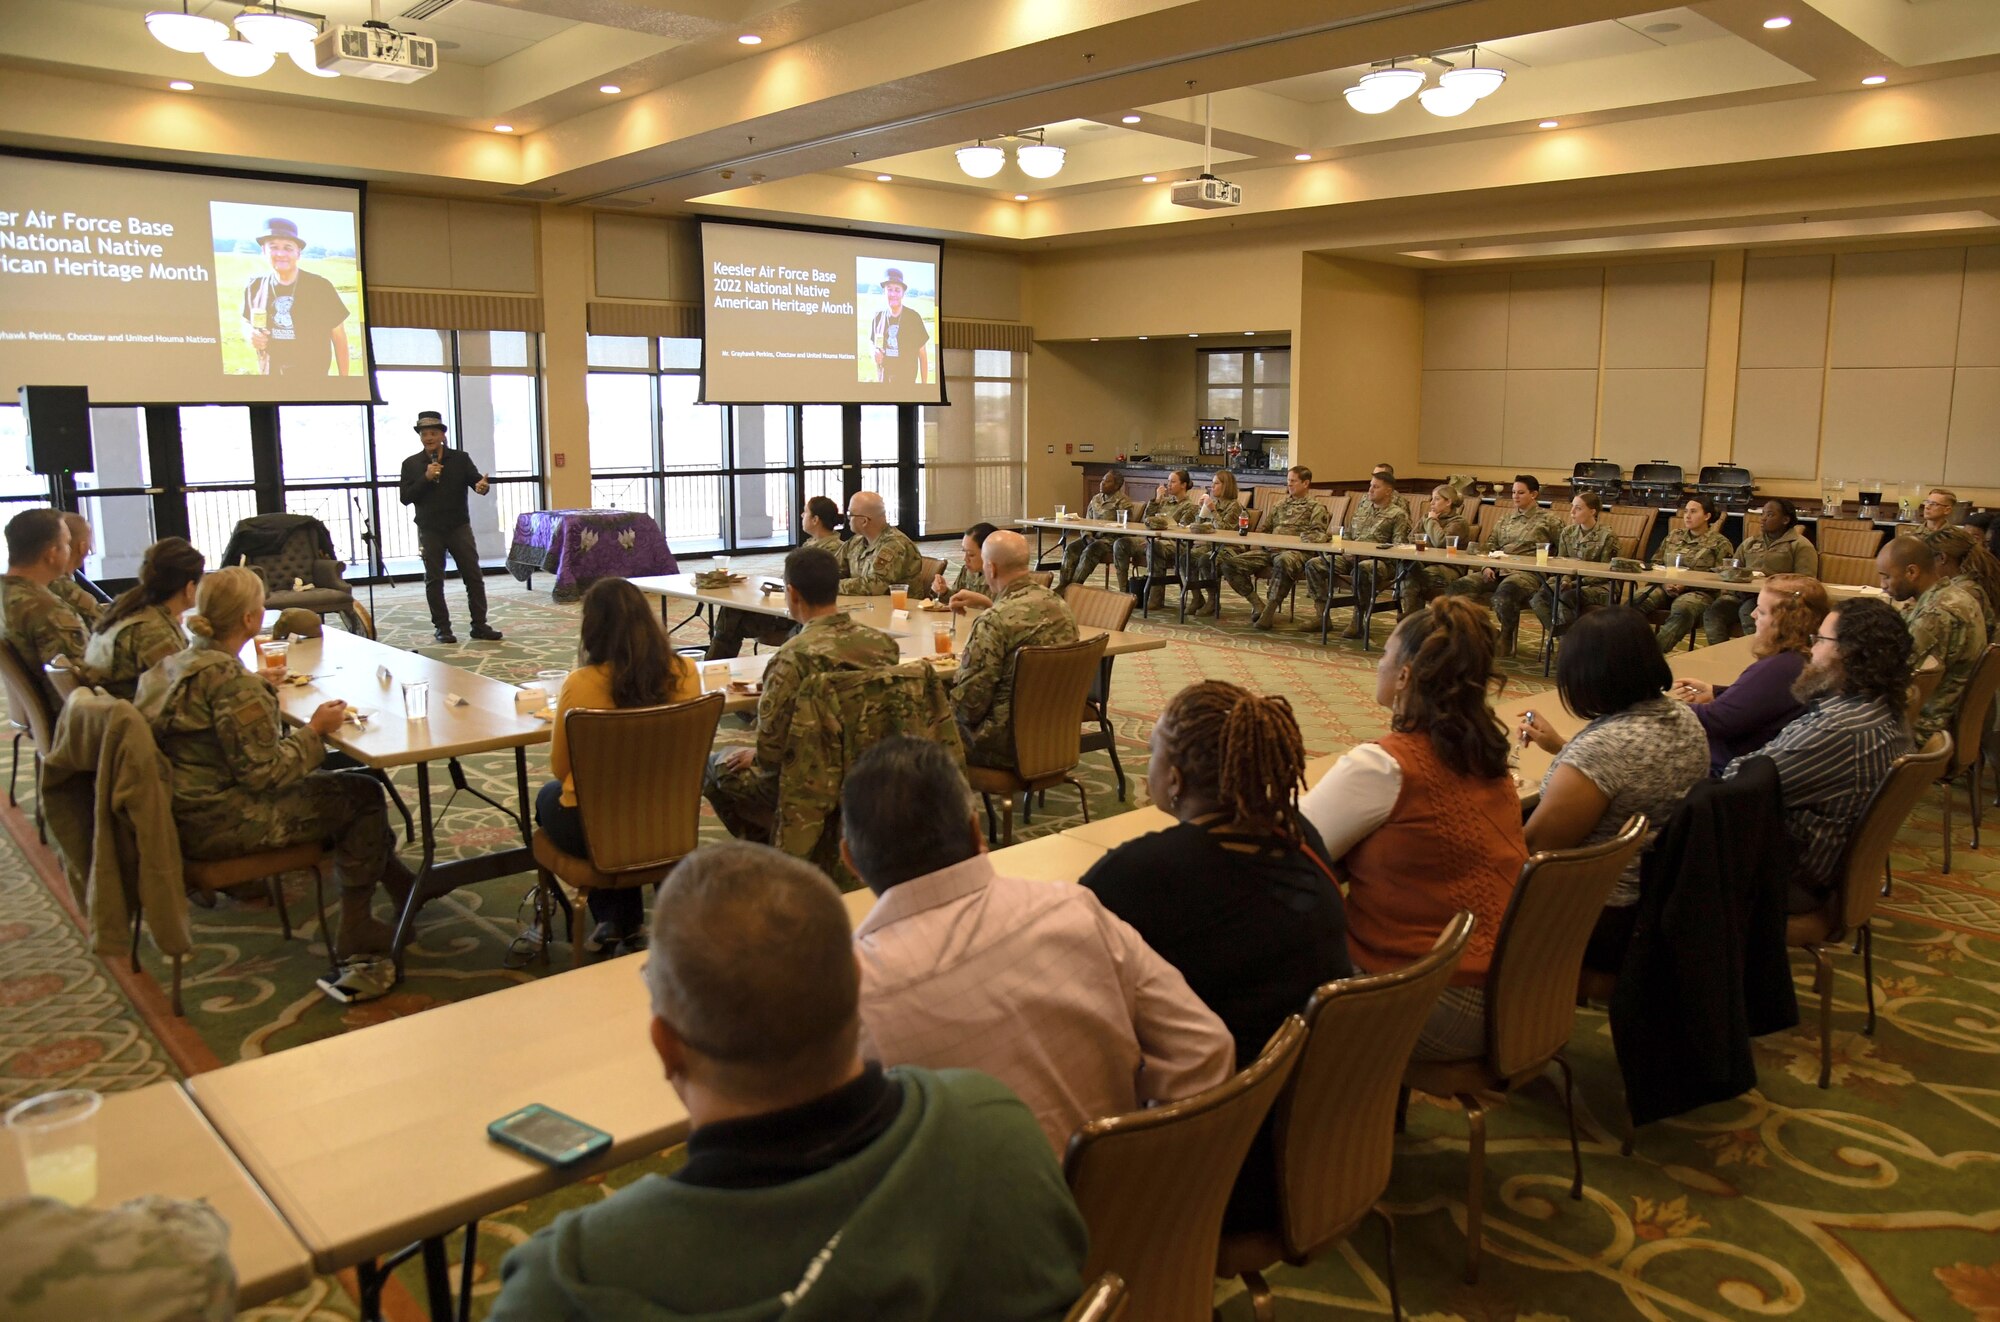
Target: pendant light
[{"x": 191, "y": 34}]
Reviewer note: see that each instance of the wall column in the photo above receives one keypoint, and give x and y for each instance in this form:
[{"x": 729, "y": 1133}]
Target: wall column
[{"x": 564, "y": 258}]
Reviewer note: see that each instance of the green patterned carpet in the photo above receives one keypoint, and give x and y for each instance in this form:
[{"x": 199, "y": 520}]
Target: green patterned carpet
[{"x": 1876, "y": 1199}]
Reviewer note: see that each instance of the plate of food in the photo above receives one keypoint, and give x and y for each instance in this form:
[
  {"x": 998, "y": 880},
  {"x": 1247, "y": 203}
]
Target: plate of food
[
  {"x": 935, "y": 607},
  {"x": 747, "y": 688},
  {"x": 943, "y": 664}
]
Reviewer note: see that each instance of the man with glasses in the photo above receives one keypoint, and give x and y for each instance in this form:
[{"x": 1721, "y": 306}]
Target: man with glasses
[
  {"x": 1831, "y": 758},
  {"x": 1944, "y": 622},
  {"x": 1936, "y": 512},
  {"x": 877, "y": 557}
]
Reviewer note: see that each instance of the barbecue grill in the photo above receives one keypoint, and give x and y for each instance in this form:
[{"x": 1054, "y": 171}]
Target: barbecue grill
[
  {"x": 1657, "y": 483},
  {"x": 1728, "y": 483},
  {"x": 1599, "y": 475}
]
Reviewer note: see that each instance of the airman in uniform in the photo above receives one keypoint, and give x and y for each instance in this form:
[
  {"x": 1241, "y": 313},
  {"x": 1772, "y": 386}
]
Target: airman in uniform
[
  {"x": 1778, "y": 547},
  {"x": 1222, "y": 506},
  {"x": 39, "y": 624},
  {"x": 732, "y": 627},
  {"x": 1442, "y": 521},
  {"x": 1520, "y": 531},
  {"x": 1024, "y": 614},
  {"x": 1297, "y": 515},
  {"x": 1382, "y": 517},
  {"x": 1175, "y": 505},
  {"x": 1699, "y": 546},
  {"x": 878, "y": 557},
  {"x": 1945, "y": 622},
  {"x": 1090, "y": 549},
  {"x": 1587, "y": 537}
]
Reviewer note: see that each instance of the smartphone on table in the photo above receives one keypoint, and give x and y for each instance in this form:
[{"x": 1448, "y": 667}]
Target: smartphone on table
[{"x": 548, "y": 1135}]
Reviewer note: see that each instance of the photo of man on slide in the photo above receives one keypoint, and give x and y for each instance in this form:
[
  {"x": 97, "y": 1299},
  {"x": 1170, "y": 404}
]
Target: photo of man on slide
[
  {"x": 897, "y": 330},
  {"x": 278, "y": 318}
]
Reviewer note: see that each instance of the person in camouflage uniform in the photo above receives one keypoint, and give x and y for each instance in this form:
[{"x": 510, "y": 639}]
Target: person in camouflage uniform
[
  {"x": 878, "y": 557},
  {"x": 1088, "y": 550},
  {"x": 1221, "y": 505},
  {"x": 1517, "y": 532},
  {"x": 150, "y": 1259},
  {"x": 1945, "y": 622},
  {"x": 1174, "y": 505},
  {"x": 1382, "y": 517},
  {"x": 79, "y": 598},
  {"x": 1699, "y": 546},
  {"x": 1297, "y": 515},
  {"x": 1962, "y": 558},
  {"x": 821, "y": 521},
  {"x": 971, "y": 576},
  {"x": 1935, "y": 513},
  {"x": 242, "y": 784},
  {"x": 39, "y": 624},
  {"x": 143, "y": 627},
  {"x": 1024, "y": 614},
  {"x": 1587, "y": 537},
  {"x": 742, "y": 783},
  {"x": 1778, "y": 547},
  {"x": 1442, "y": 522}
]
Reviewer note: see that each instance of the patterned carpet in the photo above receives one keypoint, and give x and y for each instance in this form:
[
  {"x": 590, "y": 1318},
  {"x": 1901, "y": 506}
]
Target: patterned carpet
[{"x": 1871, "y": 1200}]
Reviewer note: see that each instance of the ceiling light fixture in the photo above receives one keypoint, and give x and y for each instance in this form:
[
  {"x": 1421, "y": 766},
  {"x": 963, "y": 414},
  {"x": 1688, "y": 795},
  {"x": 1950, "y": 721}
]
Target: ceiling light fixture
[
  {"x": 180, "y": 85},
  {"x": 1779, "y": 22},
  {"x": 883, "y": 178},
  {"x": 1194, "y": 335},
  {"x": 1444, "y": 102},
  {"x": 302, "y": 56},
  {"x": 1129, "y": 119},
  {"x": 981, "y": 161},
  {"x": 1249, "y": 332},
  {"x": 239, "y": 59},
  {"x": 1874, "y": 80},
  {"x": 503, "y": 128},
  {"x": 749, "y": 39},
  {"x": 610, "y": 89},
  {"x": 1383, "y": 89},
  {"x": 1550, "y": 124},
  {"x": 1142, "y": 337},
  {"x": 1149, "y": 179},
  {"x": 1039, "y": 160},
  {"x": 1303, "y": 156},
  {"x": 190, "y": 34},
  {"x": 274, "y": 29},
  {"x": 1020, "y": 197}
]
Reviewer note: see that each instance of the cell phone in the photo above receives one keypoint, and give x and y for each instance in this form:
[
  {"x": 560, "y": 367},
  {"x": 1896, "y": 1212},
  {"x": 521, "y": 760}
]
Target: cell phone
[{"x": 548, "y": 1135}]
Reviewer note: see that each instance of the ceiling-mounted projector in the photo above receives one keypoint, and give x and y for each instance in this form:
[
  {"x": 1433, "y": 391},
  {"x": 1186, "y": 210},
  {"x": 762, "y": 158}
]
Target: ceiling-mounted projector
[
  {"x": 1207, "y": 193},
  {"x": 376, "y": 50}
]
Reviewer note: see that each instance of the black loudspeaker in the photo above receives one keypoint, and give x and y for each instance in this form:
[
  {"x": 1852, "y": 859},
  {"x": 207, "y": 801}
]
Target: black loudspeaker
[{"x": 58, "y": 419}]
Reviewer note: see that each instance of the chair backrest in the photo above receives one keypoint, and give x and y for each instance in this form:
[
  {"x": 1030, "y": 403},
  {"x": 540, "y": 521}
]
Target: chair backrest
[
  {"x": 25, "y": 698},
  {"x": 1923, "y": 683},
  {"x": 1099, "y": 607},
  {"x": 1050, "y": 685},
  {"x": 638, "y": 780},
  {"x": 928, "y": 568},
  {"x": 1419, "y": 508},
  {"x": 1854, "y": 571},
  {"x": 1337, "y": 504},
  {"x": 1531, "y": 984},
  {"x": 1141, "y": 490},
  {"x": 1488, "y": 516},
  {"x": 1103, "y": 1301},
  {"x": 1256, "y": 516},
  {"x": 1263, "y": 497},
  {"x": 1851, "y": 537},
  {"x": 1632, "y": 525},
  {"x": 1152, "y": 1184},
  {"x": 1859, "y": 874},
  {"x": 1974, "y": 707},
  {"x": 1469, "y": 510},
  {"x": 62, "y": 678},
  {"x": 1335, "y": 1133}
]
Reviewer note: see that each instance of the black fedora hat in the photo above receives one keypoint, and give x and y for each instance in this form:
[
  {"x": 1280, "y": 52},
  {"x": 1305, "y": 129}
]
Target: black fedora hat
[{"x": 430, "y": 418}]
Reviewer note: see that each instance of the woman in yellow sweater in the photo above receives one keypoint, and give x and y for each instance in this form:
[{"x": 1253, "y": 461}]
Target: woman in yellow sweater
[{"x": 625, "y": 661}]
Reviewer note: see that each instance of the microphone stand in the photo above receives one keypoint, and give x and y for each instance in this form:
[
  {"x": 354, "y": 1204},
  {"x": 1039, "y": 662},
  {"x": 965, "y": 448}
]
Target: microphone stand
[{"x": 374, "y": 554}]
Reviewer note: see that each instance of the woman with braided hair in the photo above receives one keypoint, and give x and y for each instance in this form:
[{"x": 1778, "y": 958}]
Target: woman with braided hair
[
  {"x": 1426, "y": 820},
  {"x": 1962, "y": 556},
  {"x": 1238, "y": 895}
]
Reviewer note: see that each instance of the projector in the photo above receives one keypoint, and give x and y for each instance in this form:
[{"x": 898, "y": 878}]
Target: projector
[
  {"x": 375, "y": 50},
  {"x": 1207, "y": 194}
]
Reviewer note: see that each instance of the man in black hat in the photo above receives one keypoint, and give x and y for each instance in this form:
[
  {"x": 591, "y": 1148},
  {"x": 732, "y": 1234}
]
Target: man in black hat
[
  {"x": 295, "y": 320},
  {"x": 435, "y": 480},
  {"x": 899, "y": 335}
]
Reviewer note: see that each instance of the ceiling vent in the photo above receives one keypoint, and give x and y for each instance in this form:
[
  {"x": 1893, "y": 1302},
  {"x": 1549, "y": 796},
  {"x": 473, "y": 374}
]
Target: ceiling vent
[{"x": 427, "y": 8}]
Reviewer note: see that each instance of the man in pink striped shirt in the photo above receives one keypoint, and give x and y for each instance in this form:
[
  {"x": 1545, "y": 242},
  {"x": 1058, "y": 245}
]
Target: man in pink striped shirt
[{"x": 1033, "y": 982}]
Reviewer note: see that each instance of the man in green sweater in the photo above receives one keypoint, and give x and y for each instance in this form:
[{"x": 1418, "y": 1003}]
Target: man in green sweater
[{"x": 817, "y": 1188}]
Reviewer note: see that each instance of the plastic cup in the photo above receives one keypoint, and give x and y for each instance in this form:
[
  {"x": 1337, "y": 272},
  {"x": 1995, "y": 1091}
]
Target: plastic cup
[
  {"x": 899, "y": 599},
  {"x": 1451, "y": 545},
  {"x": 551, "y": 682},
  {"x": 417, "y": 699},
  {"x": 57, "y": 1136},
  {"x": 272, "y": 654},
  {"x": 1062, "y": 512},
  {"x": 1124, "y": 517},
  {"x": 722, "y": 563},
  {"x": 941, "y": 639},
  {"x": 1541, "y": 553}
]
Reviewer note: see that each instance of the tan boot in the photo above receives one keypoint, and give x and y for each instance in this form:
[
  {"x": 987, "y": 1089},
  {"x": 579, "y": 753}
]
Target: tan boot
[
  {"x": 1267, "y": 615},
  {"x": 1156, "y": 596},
  {"x": 1353, "y": 629},
  {"x": 1197, "y": 602},
  {"x": 361, "y": 932},
  {"x": 1124, "y": 575}
]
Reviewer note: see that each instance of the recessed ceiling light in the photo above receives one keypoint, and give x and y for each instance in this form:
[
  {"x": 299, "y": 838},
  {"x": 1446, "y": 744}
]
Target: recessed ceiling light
[
  {"x": 1194, "y": 335},
  {"x": 1551, "y": 123},
  {"x": 1875, "y": 80},
  {"x": 611, "y": 89},
  {"x": 180, "y": 86},
  {"x": 1303, "y": 156},
  {"x": 1129, "y": 119},
  {"x": 1020, "y": 197},
  {"x": 883, "y": 178},
  {"x": 1249, "y": 332},
  {"x": 749, "y": 39},
  {"x": 1779, "y": 22},
  {"x": 1142, "y": 337},
  {"x": 503, "y": 128},
  {"x": 1149, "y": 179},
  {"x": 1093, "y": 339}
]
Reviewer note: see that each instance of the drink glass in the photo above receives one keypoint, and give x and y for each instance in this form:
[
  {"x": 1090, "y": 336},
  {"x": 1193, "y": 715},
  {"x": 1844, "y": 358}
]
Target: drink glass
[
  {"x": 271, "y": 655},
  {"x": 941, "y": 639},
  {"x": 551, "y": 682},
  {"x": 1062, "y": 512},
  {"x": 57, "y": 1134},
  {"x": 1451, "y": 545},
  {"x": 1680, "y": 563},
  {"x": 899, "y": 599},
  {"x": 417, "y": 699},
  {"x": 1542, "y": 553},
  {"x": 714, "y": 675},
  {"x": 722, "y": 563},
  {"x": 1124, "y": 517}
]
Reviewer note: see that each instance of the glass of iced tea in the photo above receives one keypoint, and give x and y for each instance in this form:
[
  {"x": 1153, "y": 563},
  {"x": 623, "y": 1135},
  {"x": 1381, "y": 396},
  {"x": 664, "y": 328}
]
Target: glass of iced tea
[
  {"x": 899, "y": 599},
  {"x": 941, "y": 639}
]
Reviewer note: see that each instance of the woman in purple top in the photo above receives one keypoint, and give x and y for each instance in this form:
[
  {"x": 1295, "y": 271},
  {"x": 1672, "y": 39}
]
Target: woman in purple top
[{"x": 1742, "y": 717}]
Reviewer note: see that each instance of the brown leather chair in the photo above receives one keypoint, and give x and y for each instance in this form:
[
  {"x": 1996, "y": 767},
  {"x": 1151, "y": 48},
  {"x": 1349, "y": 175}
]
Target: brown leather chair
[
  {"x": 928, "y": 568},
  {"x": 1848, "y": 537},
  {"x": 1530, "y": 1000},
  {"x": 1335, "y": 1136},
  {"x": 1112, "y": 611},
  {"x": 1103, "y": 1301},
  {"x": 1152, "y": 1185},
  {"x": 204, "y": 877},
  {"x": 1968, "y": 735},
  {"x": 1853, "y": 571},
  {"x": 27, "y": 704},
  {"x": 1420, "y": 509},
  {"x": 638, "y": 787},
  {"x": 1633, "y": 526},
  {"x": 1852, "y": 903},
  {"x": 1050, "y": 686},
  {"x": 1337, "y": 503},
  {"x": 1923, "y": 682}
]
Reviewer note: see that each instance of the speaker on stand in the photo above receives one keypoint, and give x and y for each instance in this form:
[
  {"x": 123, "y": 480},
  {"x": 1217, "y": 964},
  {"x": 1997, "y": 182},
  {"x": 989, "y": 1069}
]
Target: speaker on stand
[{"x": 58, "y": 422}]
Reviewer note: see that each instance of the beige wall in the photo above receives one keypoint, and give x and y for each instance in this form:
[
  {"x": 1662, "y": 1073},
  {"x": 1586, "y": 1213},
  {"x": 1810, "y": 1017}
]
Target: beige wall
[
  {"x": 1355, "y": 377},
  {"x": 450, "y": 243},
  {"x": 1120, "y": 396}
]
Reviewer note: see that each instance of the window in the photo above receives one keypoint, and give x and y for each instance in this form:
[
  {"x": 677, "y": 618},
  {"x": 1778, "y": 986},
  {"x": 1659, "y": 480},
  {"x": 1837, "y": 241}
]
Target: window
[
  {"x": 1254, "y": 386},
  {"x": 973, "y": 451}
]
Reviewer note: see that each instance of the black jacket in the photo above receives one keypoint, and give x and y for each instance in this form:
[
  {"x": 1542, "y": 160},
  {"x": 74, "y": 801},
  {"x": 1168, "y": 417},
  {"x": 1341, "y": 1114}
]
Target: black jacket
[
  {"x": 266, "y": 534},
  {"x": 441, "y": 504},
  {"x": 1707, "y": 969}
]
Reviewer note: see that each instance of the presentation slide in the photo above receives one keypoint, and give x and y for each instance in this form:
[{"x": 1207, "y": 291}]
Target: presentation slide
[
  {"x": 797, "y": 317},
  {"x": 164, "y": 287}
]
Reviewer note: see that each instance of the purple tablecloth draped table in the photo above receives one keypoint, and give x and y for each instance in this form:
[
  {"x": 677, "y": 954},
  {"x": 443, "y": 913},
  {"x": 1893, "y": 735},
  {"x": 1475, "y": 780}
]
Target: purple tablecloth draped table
[{"x": 581, "y": 546}]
